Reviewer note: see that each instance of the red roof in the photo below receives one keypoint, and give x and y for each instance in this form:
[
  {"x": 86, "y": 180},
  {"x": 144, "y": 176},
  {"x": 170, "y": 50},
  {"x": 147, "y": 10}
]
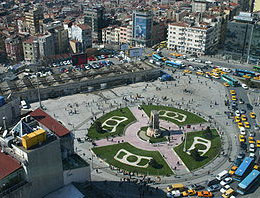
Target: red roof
[
  {"x": 7, "y": 165},
  {"x": 50, "y": 123}
]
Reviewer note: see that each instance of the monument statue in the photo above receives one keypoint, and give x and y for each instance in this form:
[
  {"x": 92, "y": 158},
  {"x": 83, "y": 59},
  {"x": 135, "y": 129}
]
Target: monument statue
[{"x": 153, "y": 128}]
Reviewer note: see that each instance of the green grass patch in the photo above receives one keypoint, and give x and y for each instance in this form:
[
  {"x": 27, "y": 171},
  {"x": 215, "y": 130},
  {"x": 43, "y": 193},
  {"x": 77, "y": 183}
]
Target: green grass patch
[
  {"x": 107, "y": 153},
  {"x": 124, "y": 112},
  {"x": 191, "y": 117},
  {"x": 121, "y": 155},
  {"x": 188, "y": 160},
  {"x": 132, "y": 158},
  {"x": 143, "y": 162}
]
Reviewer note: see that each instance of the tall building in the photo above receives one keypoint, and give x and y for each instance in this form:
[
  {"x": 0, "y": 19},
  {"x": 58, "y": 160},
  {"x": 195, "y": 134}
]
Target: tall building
[
  {"x": 32, "y": 19},
  {"x": 37, "y": 157},
  {"x": 199, "y": 39},
  {"x": 200, "y": 5},
  {"x": 14, "y": 48},
  {"x": 142, "y": 28},
  {"x": 83, "y": 35},
  {"x": 95, "y": 19},
  {"x": 31, "y": 49},
  {"x": 243, "y": 37}
]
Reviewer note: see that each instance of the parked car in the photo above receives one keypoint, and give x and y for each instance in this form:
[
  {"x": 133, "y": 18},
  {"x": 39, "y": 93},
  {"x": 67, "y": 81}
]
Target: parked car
[{"x": 214, "y": 188}]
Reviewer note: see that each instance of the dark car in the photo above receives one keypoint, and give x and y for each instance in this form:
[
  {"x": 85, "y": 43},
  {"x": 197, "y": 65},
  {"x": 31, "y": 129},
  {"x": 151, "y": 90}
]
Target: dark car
[
  {"x": 213, "y": 182},
  {"x": 214, "y": 188},
  {"x": 249, "y": 106},
  {"x": 196, "y": 187}
]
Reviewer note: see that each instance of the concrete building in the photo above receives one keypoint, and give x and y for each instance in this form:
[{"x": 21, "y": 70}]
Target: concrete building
[
  {"x": 46, "y": 45},
  {"x": 142, "y": 28},
  {"x": 82, "y": 34},
  {"x": 95, "y": 19},
  {"x": 159, "y": 32},
  {"x": 32, "y": 20},
  {"x": 14, "y": 48},
  {"x": 200, "y": 38},
  {"x": 38, "y": 47},
  {"x": 111, "y": 35},
  {"x": 60, "y": 37},
  {"x": 200, "y": 5},
  {"x": 243, "y": 37},
  {"x": 41, "y": 166}
]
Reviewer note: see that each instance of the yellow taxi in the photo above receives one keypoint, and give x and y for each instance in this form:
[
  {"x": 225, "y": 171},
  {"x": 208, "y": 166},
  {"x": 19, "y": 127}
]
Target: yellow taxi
[
  {"x": 242, "y": 138},
  {"x": 199, "y": 73},
  {"x": 256, "y": 167},
  {"x": 237, "y": 119},
  {"x": 232, "y": 92},
  {"x": 257, "y": 78},
  {"x": 187, "y": 71},
  {"x": 234, "y": 98},
  {"x": 226, "y": 84},
  {"x": 252, "y": 115},
  {"x": 243, "y": 118},
  {"x": 252, "y": 141},
  {"x": 232, "y": 170},
  {"x": 240, "y": 124},
  {"x": 247, "y": 125},
  {"x": 246, "y": 76},
  {"x": 257, "y": 143},
  {"x": 189, "y": 193}
]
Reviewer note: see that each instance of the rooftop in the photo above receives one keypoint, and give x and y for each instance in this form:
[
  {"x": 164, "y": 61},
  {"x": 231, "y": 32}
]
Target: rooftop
[
  {"x": 49, "y": 122},
  {"x": 8, "y": 165}
]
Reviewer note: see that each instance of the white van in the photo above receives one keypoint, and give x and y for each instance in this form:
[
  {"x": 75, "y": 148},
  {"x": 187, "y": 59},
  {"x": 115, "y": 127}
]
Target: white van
[
  {"x": 242, "y": 131},
  {"x": 222, "y": 175},
  {"x": 244, "y": 86},
  {"x": 24, "y": 104}
]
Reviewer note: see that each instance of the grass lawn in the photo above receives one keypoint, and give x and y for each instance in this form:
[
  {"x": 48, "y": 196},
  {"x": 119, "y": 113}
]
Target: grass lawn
[
  {"x": 107, "y": 153},
  {"x": 191, "y": 117},
  {"x": 124, "y": 112},
  {"x": 188, "y": 160}
]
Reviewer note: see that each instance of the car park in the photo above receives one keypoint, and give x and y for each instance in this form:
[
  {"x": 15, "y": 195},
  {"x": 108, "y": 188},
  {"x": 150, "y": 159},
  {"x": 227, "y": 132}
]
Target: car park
[
  {"x": 243, "y": 117},
  {"x": 247, "y": 125},
  {"x": 232, "y": 92},
  {"x": 244, "y": 86},
  {"x": 228, "y": 193},
  {"x": 242, "y": 131},
  {"x": 237, "y": 113},
  {"x": 242, "y": 138},
  {"x": 234, "y": 98},
  {"x": 226, "y": 84},
  {"x": 196, "y": 187}
]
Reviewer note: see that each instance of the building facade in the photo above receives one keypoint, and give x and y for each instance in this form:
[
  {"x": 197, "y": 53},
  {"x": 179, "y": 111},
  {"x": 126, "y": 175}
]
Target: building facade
[
  {"x": 197, "y": 39},
  {"x": 142, "y": 28},
  {"x": 32, "y": 20},
  {"x": 243, "y": 37},
  {"x": 14, "y": 48},
  {"x": 83, "y": 34}
]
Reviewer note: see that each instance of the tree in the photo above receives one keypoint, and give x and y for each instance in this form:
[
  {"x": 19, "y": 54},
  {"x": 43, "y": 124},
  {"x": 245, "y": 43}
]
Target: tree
[
  {"x": 98, "y": 127},
  {"x": 153, "y": 163},
  {"x": 195, "y": 154}
]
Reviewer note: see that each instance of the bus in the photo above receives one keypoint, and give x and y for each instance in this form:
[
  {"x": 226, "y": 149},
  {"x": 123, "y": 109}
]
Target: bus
[
  {"x": 244, "y": 166},
  {"x": 256, "y": 68},
  {"x": 248, "y": 182},
  {"x": 231, "y": 81},
  {"x": 156, "y": 57},
  {"x": 242, "y": 72},
  {"x": 176, "y": 64}
]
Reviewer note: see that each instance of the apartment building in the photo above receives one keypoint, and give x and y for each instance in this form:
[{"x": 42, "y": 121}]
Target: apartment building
[
  {"x": 111, "y": 35},
  {"x": 32, "y": 19},
  {"x": 82, "y": 33},
  {"x": 14, "y": 48},
  {"x": 200, "y": 38}
]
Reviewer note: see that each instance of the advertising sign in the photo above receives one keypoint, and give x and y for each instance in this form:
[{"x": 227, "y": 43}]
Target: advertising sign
[
  {"x": 136, "y": 52},
  {"x": 140, "y": 28},
  {"x": 124, "y": 47}
]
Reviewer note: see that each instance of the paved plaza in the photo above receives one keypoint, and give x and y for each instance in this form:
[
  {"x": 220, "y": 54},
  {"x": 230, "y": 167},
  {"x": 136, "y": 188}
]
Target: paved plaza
[{"x": 188, "y": 92}]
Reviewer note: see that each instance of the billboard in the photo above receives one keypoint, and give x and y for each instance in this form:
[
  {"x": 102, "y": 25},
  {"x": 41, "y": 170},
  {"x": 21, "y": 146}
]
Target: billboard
[
  {"x": 135, "y": 52},
  {"x": 78, "y": 59},
  {"x": 140, "y": 28},
  {"x": 124, "y": 47}
]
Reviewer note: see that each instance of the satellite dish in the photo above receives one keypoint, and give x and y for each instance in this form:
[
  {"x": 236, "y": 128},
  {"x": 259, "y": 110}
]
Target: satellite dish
[{"x": 5, "y": 133}]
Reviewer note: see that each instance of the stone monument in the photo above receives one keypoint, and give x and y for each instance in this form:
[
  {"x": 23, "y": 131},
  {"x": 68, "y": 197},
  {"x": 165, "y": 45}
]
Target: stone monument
[{"x": 153, "y": 128}]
